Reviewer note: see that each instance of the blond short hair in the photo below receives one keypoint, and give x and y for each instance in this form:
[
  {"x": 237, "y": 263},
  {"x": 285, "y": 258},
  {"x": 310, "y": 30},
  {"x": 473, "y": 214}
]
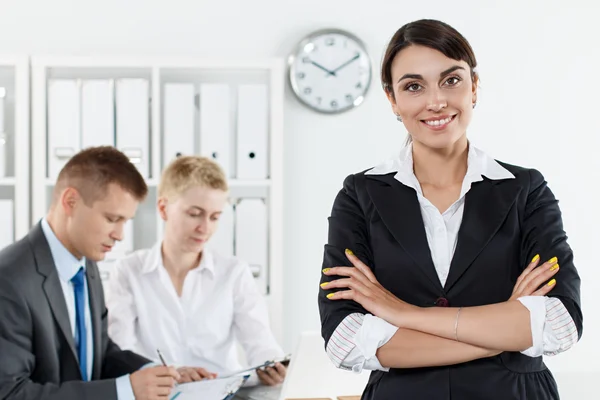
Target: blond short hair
[{"x": 186, "y": 172}]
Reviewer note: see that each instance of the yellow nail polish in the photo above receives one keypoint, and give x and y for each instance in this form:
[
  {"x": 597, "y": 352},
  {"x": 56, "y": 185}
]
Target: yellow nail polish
[
  {"x": 324, "y": 284},
  {"x": 326, "y": 270},
  {"x": 537, "y": 257},
  {"x": 349, "y": 252},
  {"x": 553, "y": 260},
  {"x": 330, "y": 295},
  {"x": 552, "y": 282},
  {"x": 554, "y": 267}
]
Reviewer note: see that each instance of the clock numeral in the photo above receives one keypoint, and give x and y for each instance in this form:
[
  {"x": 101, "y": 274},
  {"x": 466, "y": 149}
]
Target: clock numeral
[
  {"x": 307, "y": 90},
  {"x": 334, "y": 104},
  {"x": 359, "y": 85},
  {"x": 306, "y": 60},
  {"x": 301, "y": 75},
  {"x": 319, "y": 100},
  {"x": 329, "y": 41},
  {"x": 349, "y": 98}
]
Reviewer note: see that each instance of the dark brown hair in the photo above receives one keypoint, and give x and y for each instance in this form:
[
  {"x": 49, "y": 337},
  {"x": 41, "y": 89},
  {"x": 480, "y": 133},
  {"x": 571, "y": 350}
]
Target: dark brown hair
[
  {"x": 91, "y": 171},
  {"x": 430, "y": 33}
]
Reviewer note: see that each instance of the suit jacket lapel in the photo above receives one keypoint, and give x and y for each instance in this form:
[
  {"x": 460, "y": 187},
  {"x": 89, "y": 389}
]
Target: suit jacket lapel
[
  {"x": 51, "y": 286},
  {"x": 94, "y": 286},
  {"x": 400, "y": 211},
  {"x": 486, "y": 208}
]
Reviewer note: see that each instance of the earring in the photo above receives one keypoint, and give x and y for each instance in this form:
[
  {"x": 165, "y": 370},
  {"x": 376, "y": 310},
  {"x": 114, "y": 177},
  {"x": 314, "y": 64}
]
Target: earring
[
  {"x": 399, "y": 118},
  {"x": 474, "y": 104}
]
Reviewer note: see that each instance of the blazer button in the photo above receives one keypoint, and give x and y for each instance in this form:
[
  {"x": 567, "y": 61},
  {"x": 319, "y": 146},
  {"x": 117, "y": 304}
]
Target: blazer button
[{"x": 442, "y": 302}]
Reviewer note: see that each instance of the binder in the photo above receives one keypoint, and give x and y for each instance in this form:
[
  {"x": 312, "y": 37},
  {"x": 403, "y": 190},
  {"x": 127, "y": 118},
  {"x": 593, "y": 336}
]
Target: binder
[
  {"x": 252, "y": 131},
  {"x": 97, "y": 113},
  {"x": 179, "y": 117},
  {"x": 215, "y": 124},
  {"x": 133, "y": 121},
  {"x": 222, "y": 240},
  {"x": 251, "y": 238},
  {"x": 63, "y": 123},
  {"x": 3, "y": 133},
  {"x": 7, "y": 230}
]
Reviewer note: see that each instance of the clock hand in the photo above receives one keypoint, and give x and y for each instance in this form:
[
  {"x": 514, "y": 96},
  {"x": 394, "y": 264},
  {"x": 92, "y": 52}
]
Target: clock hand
[
  {"x": 322, "y": 67},
  {"x": 346, "y": 63}
]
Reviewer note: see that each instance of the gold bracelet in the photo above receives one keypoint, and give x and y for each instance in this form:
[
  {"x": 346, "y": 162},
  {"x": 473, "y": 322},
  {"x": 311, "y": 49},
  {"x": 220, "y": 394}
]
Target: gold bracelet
[{"x": 456, "y": 325}]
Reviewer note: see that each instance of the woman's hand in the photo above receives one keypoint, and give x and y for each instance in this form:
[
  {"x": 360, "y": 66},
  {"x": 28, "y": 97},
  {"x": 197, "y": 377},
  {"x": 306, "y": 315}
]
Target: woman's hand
[
  {"x": 191, "y": 374},
  {"x": 272, "y": 376},
  {"x": 532, "y": 278},
  {"x": 364, "y": 288}
]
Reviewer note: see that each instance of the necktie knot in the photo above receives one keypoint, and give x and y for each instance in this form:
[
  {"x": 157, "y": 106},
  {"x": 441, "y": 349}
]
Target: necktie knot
[{"x": 77, "y": 280}]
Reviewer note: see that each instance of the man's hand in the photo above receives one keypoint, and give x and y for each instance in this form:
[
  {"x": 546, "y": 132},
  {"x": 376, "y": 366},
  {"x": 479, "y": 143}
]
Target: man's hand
[
  {"x": 191, "y": 374},
  {"x": 272, "y": 376},
  {"x": 154, "y": 383}
]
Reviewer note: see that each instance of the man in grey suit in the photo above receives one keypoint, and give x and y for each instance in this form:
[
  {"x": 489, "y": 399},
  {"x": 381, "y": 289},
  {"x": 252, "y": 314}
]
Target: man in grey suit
[{"x": 53, "y": 320}]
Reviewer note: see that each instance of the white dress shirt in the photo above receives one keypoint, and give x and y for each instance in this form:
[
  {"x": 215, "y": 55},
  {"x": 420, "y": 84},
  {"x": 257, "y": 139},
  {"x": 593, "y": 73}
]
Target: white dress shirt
[
  {"x": 220, "y": 303},
  {"x": 68, "y": 266},
  {"x": 355, "y": 341}
]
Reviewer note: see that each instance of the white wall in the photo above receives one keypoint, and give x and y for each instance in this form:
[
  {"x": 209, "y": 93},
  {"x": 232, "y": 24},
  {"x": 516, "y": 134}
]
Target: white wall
[{"x": 538, "y": 105}]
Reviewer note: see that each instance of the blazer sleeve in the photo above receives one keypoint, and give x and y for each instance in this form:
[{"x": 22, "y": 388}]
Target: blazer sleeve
[
  {"x": 17, "y": 358},
  {"x": 543, "y": 234},
  {"x": 347, "y": 230}
]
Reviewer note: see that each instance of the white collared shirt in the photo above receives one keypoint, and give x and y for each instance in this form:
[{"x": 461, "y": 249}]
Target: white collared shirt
[
  {"x": 220, "y": 303},
  {"x": 355, "y": 341}
]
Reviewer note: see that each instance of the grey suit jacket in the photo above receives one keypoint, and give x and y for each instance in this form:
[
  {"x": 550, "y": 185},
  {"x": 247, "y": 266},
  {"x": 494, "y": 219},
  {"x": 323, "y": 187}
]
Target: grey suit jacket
[{"x": 38, "y": 359}]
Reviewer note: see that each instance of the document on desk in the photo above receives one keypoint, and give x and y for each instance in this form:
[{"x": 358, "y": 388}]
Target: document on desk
[{"x": 210, "y": 389}]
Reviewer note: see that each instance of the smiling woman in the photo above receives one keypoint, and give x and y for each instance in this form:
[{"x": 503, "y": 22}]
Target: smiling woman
[{"x": 443, "y": 257}]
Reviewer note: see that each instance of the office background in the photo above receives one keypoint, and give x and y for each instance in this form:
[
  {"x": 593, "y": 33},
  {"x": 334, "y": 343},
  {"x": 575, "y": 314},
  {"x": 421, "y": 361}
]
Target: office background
[{"x": 538, "y": 104}]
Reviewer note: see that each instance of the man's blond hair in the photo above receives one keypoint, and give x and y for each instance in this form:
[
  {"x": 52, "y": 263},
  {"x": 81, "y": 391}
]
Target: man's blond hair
[{"x": 186, "y": 172}]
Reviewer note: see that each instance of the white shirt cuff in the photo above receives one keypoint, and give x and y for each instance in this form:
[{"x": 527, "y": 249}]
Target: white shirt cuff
[
  {"x": 373, "y": 333},
  {"x": 537, "y": 315},
  {"x": 124, "y": 389}
]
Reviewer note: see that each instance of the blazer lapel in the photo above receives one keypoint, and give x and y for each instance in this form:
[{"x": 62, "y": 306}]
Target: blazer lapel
[
  {"x": 94, "y": 286},
  {"x": 400, "y": 211},
  {"x": 486, "y": 208},
  {"x": 51, "y": 286}
]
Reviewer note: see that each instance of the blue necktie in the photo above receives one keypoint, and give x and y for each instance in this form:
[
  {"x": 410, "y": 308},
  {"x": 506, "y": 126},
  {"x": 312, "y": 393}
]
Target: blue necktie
[{"x": 80, "y": 331}]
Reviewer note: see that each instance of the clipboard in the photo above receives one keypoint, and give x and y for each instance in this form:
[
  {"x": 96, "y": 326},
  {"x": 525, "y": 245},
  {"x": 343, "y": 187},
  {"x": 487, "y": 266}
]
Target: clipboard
[
  {"x": 285, "y": 361},
  {"x": 209, "y": 389}
]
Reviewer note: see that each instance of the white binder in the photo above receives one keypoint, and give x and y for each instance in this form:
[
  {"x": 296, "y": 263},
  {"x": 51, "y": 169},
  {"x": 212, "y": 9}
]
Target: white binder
[
  {"x": 179, "y": 115},
  {"x": 251, "y": 238},
  {"x": 64, "y": 139},
  {"x": 222, "y": 239},
  {"x": 3, "y": 133},
  {"x": 252, "y": 131},
  {"x": 133, "y": 121},
  {"x": 215, "y": 124},
  {"x": 7, "y": 230},
  {"x": 97, "y": 113}
]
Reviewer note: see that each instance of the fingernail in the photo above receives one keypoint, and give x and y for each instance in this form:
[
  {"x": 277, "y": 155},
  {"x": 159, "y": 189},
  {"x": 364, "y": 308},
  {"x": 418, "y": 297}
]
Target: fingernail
[
  {"x": 537, "y": 257},
  {"x": 552, "y": 282},
  {"x": 326, "y": 270},
  {"x": 553, "y": 260},
  {"x": 330, "y": 295},
  {"x": 349, "y": 252},
  {"x": 324, "y": 284},
  {"x": 554, "y": 267}
]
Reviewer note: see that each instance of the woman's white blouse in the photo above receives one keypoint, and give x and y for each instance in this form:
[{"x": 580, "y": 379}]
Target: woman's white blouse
[{"x": 220, "y": 303}]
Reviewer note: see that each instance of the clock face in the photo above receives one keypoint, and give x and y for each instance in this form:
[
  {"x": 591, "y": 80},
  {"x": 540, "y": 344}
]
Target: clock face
[{"x": 330, "y": 71}]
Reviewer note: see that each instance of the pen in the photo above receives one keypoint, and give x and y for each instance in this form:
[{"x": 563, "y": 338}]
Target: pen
[{"x": 162, "y": 360}]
